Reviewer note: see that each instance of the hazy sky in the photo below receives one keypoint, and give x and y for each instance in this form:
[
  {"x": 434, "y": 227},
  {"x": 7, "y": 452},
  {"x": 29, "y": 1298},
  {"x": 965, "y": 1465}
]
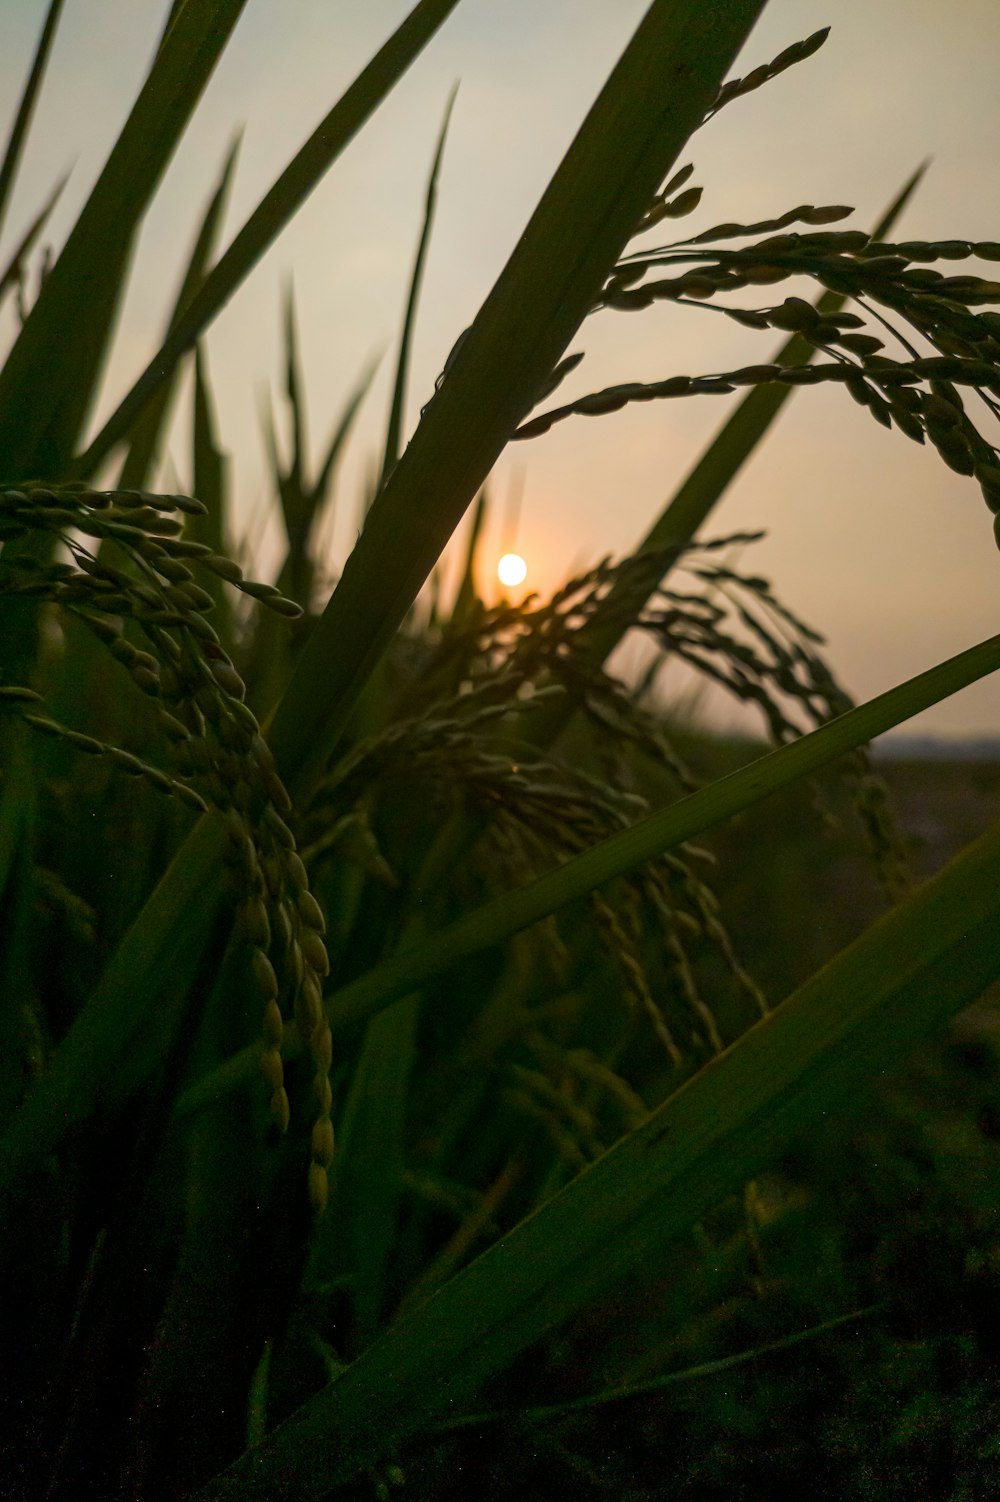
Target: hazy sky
[{"x": 870, "y": 538}]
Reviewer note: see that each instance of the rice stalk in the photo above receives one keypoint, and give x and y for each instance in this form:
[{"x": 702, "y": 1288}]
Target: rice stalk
[
  {"x": 428, "y": 1125},
  {"x": 467, "y": 419},
  {"x": 211, "y": 736}
]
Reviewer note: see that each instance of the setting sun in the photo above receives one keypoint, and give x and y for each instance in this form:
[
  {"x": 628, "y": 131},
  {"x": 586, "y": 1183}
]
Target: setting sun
[{"x": 511, "y": 569}]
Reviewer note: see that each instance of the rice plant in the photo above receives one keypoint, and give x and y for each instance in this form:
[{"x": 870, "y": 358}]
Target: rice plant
[{"x": 316, "y": 1118}]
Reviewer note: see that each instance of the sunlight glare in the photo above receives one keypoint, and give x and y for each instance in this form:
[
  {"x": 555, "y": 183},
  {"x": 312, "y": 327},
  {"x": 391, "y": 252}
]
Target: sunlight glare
[{"x": 511, "y": 569}]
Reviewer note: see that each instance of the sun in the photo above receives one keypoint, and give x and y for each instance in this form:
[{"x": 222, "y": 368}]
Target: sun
[{"x": 511, "y": 569}]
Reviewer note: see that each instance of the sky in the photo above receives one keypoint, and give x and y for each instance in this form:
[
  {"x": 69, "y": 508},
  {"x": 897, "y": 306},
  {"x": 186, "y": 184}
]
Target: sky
[{"x": 870, "y": 538}]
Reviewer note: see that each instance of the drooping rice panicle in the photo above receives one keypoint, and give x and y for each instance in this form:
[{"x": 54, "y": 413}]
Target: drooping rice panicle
[
  {"x": 211, "y": 736},
  {"x": 889, "y": 283}
]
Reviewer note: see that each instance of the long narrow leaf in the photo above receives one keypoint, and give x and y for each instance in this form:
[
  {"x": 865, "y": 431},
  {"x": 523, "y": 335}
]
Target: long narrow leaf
[
  {"x": 275, "y": 210},
  {"x": 147, "y": 435},
  {"x": 656, "y": 96},
  {"x": 25, "y": 110},
  {"x": 176, "y": 6},
  {"x": 296, "y": 405},
  {"x": 795, "y": 1071},
  {"x": 393, "y": 437},
  {"x": 128, "y": 1022},
  {"x": 17, "y": 895},
  {"x": 51, "y": 374},
  {"x": 466, "y": 595},
  {"x": 371, "y": 1159},
  {"x": 341, "y": 429},
  {"x": 211, "y": 471},
  {"x": 303, "y": 500},
  {"x": 15, "y": 266},
  {"x": 304, "y": 506}
]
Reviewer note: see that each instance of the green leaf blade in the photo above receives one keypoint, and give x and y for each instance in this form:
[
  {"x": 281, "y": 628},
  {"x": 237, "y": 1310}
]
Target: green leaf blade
[
  {"x": 26, "y": 108},
  {"x": 654, "y": 99},
  {"x": 393, "y": 437},
  {"x": 288, "y": 193},
  {"x": 793, "y": 1070},
  {"x": 47, "y": 383},
  {"x": 147, "y": 434}
]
